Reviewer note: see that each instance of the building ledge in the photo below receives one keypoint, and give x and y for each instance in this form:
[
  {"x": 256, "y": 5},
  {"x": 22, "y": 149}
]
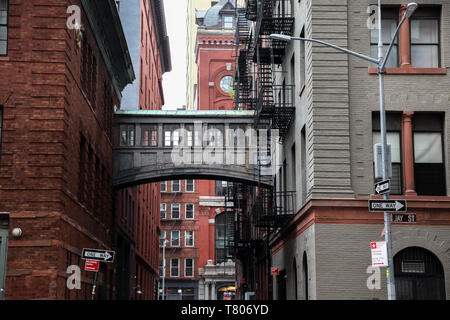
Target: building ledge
[{"x": 411, "y": 70}]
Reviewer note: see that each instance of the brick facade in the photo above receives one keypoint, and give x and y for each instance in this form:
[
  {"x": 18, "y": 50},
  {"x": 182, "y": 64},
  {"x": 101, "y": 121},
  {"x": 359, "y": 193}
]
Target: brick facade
[{"x": 56, "y": 164}]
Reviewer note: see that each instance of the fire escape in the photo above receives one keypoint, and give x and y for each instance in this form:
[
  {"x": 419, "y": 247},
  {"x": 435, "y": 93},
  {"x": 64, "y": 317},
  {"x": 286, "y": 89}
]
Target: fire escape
[
  {"x": 275, "y": 103},
  {"x": 260, "y": 212}
]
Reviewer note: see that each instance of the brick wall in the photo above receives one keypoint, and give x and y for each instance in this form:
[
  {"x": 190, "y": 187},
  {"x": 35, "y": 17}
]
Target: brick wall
[{"x": 46, "y": 112}]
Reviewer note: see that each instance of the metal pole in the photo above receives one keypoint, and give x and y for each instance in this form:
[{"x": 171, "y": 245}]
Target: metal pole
[
  {"x": 164, "y": 270},
  {"x": 387, "y": 216},
  {"x": 94, "y": 285}
]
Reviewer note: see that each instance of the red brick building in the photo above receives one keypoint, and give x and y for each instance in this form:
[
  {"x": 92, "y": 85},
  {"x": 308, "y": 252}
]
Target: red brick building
[
  {"x": 191, "y": 242},
  {"x": 58, "y": 90},
  {"x": 137, "y": 208}
]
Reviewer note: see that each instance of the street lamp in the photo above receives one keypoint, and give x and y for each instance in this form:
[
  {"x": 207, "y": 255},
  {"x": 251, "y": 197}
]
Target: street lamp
[{"x": 381, "y": 63}]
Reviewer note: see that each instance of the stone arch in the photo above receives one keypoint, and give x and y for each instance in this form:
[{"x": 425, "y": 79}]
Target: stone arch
[
  {"x": 419, "y": 275},
  {"x": 426, "y": 238}
]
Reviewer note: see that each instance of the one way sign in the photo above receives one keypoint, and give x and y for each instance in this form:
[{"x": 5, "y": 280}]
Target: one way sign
[
  {"x": 387, "y": 206},
  {"x": 382, "y": 187},
  {"x": 96, "y": 254}
]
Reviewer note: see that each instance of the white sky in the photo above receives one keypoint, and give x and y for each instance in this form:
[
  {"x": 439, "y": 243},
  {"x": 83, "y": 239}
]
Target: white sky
[{"x": 174, "y": 82}]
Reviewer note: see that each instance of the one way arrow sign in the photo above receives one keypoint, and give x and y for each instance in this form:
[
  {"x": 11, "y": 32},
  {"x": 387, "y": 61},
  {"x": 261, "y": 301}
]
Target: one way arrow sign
[
  {"x": 382, "y": 187},
  {"x": 96, "y": 254},
  {"x": 387, "y": 206}
]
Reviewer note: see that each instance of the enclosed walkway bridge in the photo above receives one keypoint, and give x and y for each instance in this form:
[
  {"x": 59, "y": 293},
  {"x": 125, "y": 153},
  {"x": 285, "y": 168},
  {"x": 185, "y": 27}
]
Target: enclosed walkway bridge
[{"x": 159, "y": 145}]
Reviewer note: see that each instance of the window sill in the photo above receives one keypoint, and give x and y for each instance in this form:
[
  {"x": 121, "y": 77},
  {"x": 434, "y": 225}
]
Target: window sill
[{"x": 411, "y": 70}]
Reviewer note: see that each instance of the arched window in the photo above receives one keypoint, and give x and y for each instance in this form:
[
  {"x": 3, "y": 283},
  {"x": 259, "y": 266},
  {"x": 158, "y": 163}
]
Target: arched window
[
  {"x": 419, "y": 275},
  {"x": 305, "y": 277}
]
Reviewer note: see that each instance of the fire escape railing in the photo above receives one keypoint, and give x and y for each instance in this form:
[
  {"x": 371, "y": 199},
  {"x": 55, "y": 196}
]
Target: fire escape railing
[
  {"x": 274, "y": 210},
  {"x": 273, "y": 16}
]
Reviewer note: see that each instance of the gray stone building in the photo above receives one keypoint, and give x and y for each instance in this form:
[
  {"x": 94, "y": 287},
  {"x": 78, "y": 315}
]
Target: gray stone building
[{"x": 326, "y": 158}]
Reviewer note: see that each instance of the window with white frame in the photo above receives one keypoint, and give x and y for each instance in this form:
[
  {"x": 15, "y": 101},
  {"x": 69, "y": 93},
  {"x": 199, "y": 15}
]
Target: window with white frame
[
  {"x": 228, "y": 22},
  {"x": 189, "y": 211},
  {"x": 175, "y": 238},
  {"x": 163, "y": 186},
  {"x": 190, "y": 185},
  {"x": 163, "y": 211},
  {"x": 188, "y": 267},
  {"x": 174, "y": 267},
  {"x": 176, "y": 186},
  {"x": 175, "y": 214},
  {"x": 189, "y": 238}
]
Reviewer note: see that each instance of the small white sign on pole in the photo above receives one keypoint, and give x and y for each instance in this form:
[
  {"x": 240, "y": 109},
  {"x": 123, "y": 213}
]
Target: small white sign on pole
[{"x": 379, "y": 254}]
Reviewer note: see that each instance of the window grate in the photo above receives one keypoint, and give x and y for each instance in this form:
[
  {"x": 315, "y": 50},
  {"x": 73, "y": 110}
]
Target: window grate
[{"x": 413, "y": 266}]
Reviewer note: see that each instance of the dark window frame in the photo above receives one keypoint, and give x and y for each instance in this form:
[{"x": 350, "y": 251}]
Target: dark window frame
[
  {"x": 440, "y": 128},
  {"x": 429, "y": 14},
  {"x": 388, "y": 13},
  {"x": 7, "y": 29},
  {"x": 393, "y": 125}
]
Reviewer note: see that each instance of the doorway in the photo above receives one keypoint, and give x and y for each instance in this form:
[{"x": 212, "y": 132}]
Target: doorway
[{"x": 419, "y": 275}]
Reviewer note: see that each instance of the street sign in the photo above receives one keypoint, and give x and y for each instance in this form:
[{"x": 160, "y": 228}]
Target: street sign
[
  {"x": 92, "y": 265},
  {"x": 96, "y": 254},
  {"x": 274, "y": 271},
  {"x": 379, "y": 254},
  {"x": 404, "y": 218},
  {"x": 387, "y": 205},
  {"x": 382, "y": 187}
]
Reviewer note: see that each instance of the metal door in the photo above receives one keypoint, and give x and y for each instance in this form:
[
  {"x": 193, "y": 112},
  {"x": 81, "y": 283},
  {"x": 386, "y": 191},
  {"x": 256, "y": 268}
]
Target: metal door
[
  {"x": 419, "y": 275},
  {"x": 4, "y": 227}
]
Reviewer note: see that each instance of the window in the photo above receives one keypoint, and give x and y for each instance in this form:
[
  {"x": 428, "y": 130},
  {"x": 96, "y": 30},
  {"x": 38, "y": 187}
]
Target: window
[
  {"x": 175, "y": 211},
  {"x": 228, "y": 22},
  {"x": 188, "y": 267},
  {"x": 189, "y": 238},
  {"x": 293, "y": 168},
  {"x": 3, "y": 27},
  {"x": 215, "y": 137},
  {"x": 424, "y": 28},
  {"x": 393, "y": 137},
  {"x": 189, "y": 130},
  {"x": 126, "y": 135},
  {"x": 224, "y": 235},
  {"x": 171, "y": 135},
  {"x": 149, "y": 135},
  {"x": 163, "y": 210},
  {"x": 163, "y": 186},
  {"x": 429, "y": 170},
  {"x": 174, "y": 267},
  {"x": 189, "y": 211},
  {"x": 162, "y": 238},
  {"x": 176, "y": 186},
  {"x": 220, "y": 188},
  {"x": 302, "y": 60},
  {"x": 189, "y": 185},
  {"x": 389, "y": 22},
  {"x": 175, "y": 238}
]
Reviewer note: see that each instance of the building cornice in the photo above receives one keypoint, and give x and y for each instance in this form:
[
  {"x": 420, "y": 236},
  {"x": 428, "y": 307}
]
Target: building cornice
[
  {"x": 162, "y": 37},
  {"x": 104, "y": 21}
]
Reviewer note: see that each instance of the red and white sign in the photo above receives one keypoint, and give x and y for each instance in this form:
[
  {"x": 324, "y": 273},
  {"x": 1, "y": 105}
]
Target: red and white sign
[
  {"x": 226, "y": 297},
  {"x": 274, "y": 271},
  {"x": 379, "y": 254},
  {"x": 92, "y": 265}
]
